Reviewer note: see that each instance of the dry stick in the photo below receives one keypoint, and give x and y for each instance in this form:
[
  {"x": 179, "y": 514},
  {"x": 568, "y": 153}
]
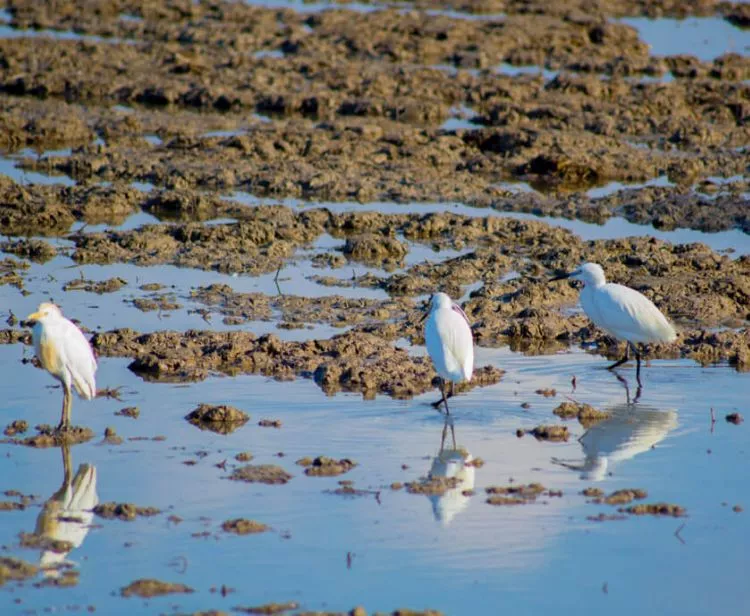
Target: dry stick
[
  {"x": 677, "y": 534},
  {"x": 713, "y": 420}
]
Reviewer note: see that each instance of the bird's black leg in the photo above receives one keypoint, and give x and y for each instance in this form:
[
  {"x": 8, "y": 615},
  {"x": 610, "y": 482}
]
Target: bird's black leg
[
  {"x": 445, "y": 398},
  {"x": 621, "y": 361},
  {"x": 637, "y": 366}
]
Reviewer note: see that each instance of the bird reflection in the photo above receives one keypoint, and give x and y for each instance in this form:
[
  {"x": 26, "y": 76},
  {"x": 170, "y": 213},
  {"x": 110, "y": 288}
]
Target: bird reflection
[
  {"x": 67, "y": 514},
  {"x": 451, "y": 462},
  {"x": 630, "y": 430}
]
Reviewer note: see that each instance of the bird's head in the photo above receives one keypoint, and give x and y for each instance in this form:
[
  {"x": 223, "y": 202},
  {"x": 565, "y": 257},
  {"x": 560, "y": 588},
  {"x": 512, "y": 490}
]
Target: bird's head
[
  {"x": 46, "y": 310},
  {"x": 589, "y": 274},
  {"x": 440, "y": 300}
]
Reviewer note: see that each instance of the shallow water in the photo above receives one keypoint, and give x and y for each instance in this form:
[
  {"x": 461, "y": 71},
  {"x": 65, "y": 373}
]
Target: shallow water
[
  {"x": 706, "y": 38},
  {"x": 456, "y": 553}
]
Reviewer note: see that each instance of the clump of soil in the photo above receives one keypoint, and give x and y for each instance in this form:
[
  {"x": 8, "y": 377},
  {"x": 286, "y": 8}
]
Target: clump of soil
[
  {"x": 129, "y": 411},
  {"x": 244, "y": 456},
  {"x": 323, "y": 466},
  {"x": 110, "y": 285},
  {"x": 606, "y": 517},
  {"x": 547, "y": 433},
  {"x": 263, "y": 473},
  {"x": 547, "y": 393},
  {"x": 432, "y": 486},
  {"x": 734, "y": 418},
  {"x": 241, "y": 526},
  {"x": 11, "y": 506},
  {"x": 622, "y": 497},
  {"x": 47, "y": 436},
  {"x": 585, "y": 413},
  {"x": 15, "y": 569},
  {"x": 124, "y": 511},
  {"x": 658, "y": 509},
  {"x": 42, "y": 542},
  {"x": 222, "y": 419},
  {"x": 516, "y": 494},
  {"x": 593, "y": 492},
  {"x": 111, "y": 437},
  {"x": 375, "y": 249},
  {"x": 35, "y": 250},
  {"x": 269, "y": 423},
  {"x": 162, "y": 302},
  {"x": 17, "y": 426},
  {"x": 268, "y": 608},
  {"x": 153, "y": 588}
]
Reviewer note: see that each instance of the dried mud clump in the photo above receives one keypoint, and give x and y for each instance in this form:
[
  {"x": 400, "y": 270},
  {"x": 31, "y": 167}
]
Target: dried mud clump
[
  {"x": 264, "y": 473},
  {"x": 15, "y": 570},
  {"x": 48, "y": 436},
  {"x": 270, "y": 423},
  {"x": 222, "y": 419},
  {"x": 516, "y": 494},
  {"x": 585, "y": 413},
  {"x": 432, "y": 486},
  {"x": 38, "y": 251},
  {"x": 593, "y": 492},
  {"x": 323, "y": 466},
  {"x": 111, "y": 285},
  {"x": 375, "y": 249},
  {"x": 124, "y": 511},
  {"x": 268, "y": 608},
  {"x": 153, "y": 588},
  {"x": 41, "y": 542},
  {"x": 241, "y": 526},
  {"x": 657, "y": 509},
  {"x": 129, "y": 411},
  {"x": 734, "y": 418},
  {"x": 549, "y": 433},
  {"x": 18, "y": 426},
  {"x": 623, "y": 497}
]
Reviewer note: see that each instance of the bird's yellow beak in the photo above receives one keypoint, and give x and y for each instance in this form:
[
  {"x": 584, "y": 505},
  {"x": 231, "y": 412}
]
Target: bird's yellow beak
[{"x": 34, "y": 316}]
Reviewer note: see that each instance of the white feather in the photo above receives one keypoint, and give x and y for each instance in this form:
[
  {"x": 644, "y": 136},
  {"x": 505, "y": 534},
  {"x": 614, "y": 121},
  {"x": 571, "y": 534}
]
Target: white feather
[{"x": 449, "y": 340}]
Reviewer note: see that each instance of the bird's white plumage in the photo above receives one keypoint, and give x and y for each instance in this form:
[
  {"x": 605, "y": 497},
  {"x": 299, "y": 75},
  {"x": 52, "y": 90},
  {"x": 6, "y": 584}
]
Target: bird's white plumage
[
  {"x": 64, "y": 351},
  {"x": 449, "y": 340},
  {"x": 621, "y": 311},
  {"x": 452, "y": 463}
]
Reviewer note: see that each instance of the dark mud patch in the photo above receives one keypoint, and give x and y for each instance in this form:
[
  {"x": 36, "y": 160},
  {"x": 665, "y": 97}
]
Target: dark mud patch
[
  {"x": 264, "y": 473},
  {"x": 586, "y": 414},
  {"x": 147, "y": 588},
  {"x": 656, "y": 509},
  {"x": 35, "y": 250},
  {"x": 517, "y": 494},
  {"x": 270, "y": 423},
  {"x": 593, "y": 492},
  {"x": 42, "y": 542},
  {"x": 11, "y": 506},
  {"x": 323, "y": 466},
  {"x": 124, "y": 511},
  {"x": 622, "y": 497},
  {"x": 734, "y": 418},
  {"x": 244, "y": 456},
  {"x": 606, "y": 517},
  {"x": 222, "y": 419},
  {"x": 242, "y": 526},
  {"x": 162, "y": 302},
  {"x": 547, "y": 433}
]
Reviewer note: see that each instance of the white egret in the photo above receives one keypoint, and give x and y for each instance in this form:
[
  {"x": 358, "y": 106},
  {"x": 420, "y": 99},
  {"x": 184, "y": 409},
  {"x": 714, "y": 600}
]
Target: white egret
[
  {"x": 64, "y": 352},
  {"x": 620, "y": 311},
  {"x": 67, "y": 514},
  {"x": 450, "y": 343}
]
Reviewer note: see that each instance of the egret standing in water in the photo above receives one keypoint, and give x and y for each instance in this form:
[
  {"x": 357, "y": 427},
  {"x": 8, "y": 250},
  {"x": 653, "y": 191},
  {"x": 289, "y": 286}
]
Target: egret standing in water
[
  {"x": 620, "y": 311},
  {"x": 64, "y": 352},
  {"x": 449, "y": 343}
]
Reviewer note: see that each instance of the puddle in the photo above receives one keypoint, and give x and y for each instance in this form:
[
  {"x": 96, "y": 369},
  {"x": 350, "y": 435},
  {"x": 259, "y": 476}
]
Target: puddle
[
  {"x": 397, "y": 544},
  {"x": 8, "y": 167},
  {"x": 154, "y": 140},
  {"x": 613, "y": 187},
  {"x": 9, "y": 32},
  {"x": 272, "y": 53},
  {"x": 131, "y": 18},
  {"x": 706, "y": 38},
  {"x": 316, "y": 7},
  {"x": 6, "y": 16},
  {"x": 510, "y": 69}
]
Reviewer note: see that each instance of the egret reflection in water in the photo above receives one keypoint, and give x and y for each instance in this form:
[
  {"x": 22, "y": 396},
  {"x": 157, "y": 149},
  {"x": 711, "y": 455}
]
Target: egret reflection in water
[
  {"x": 451, "y": 462},
  {"x": 630, "y": 430},
  {"x": 67, "y": 514}
]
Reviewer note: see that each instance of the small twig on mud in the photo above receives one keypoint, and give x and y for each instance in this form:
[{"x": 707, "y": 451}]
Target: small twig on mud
[
  {"x": 573, "y": 383},
  {"x": 677, "y": 534},
  {"x": 349, "y": 559},
  {"x": 713, "y": 420}
]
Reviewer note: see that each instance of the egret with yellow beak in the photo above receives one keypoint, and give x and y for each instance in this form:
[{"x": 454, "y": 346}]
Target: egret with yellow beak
[{"x": 64, "y": 352}]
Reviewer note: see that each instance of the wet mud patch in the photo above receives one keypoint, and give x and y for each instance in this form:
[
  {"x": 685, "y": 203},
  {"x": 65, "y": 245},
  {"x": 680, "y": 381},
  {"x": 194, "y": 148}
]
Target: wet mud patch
[
  {"x": 126, "y": 512},
  {"x": 432, "y": 486},
  {"x": 17, "y": 426},
  {"x": 517, "y": 494},
  {"x": 622, "y": 497},
  {"x": 265, "y": 473},
  {"x": 162, "y": 302},
  {"x": 111, "y": 285},
  {"x": 547, "y": 433},
  {"x": 222, "y": 419},
  {"x": 268, "y": 608},
  {"x": 323, "y": 466},
  {"x": 35, "y": 541},
  {"x": 35, "y": 250},
  {"x": 147, "y": 588},
  {"x": 15, "y": 570}
]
